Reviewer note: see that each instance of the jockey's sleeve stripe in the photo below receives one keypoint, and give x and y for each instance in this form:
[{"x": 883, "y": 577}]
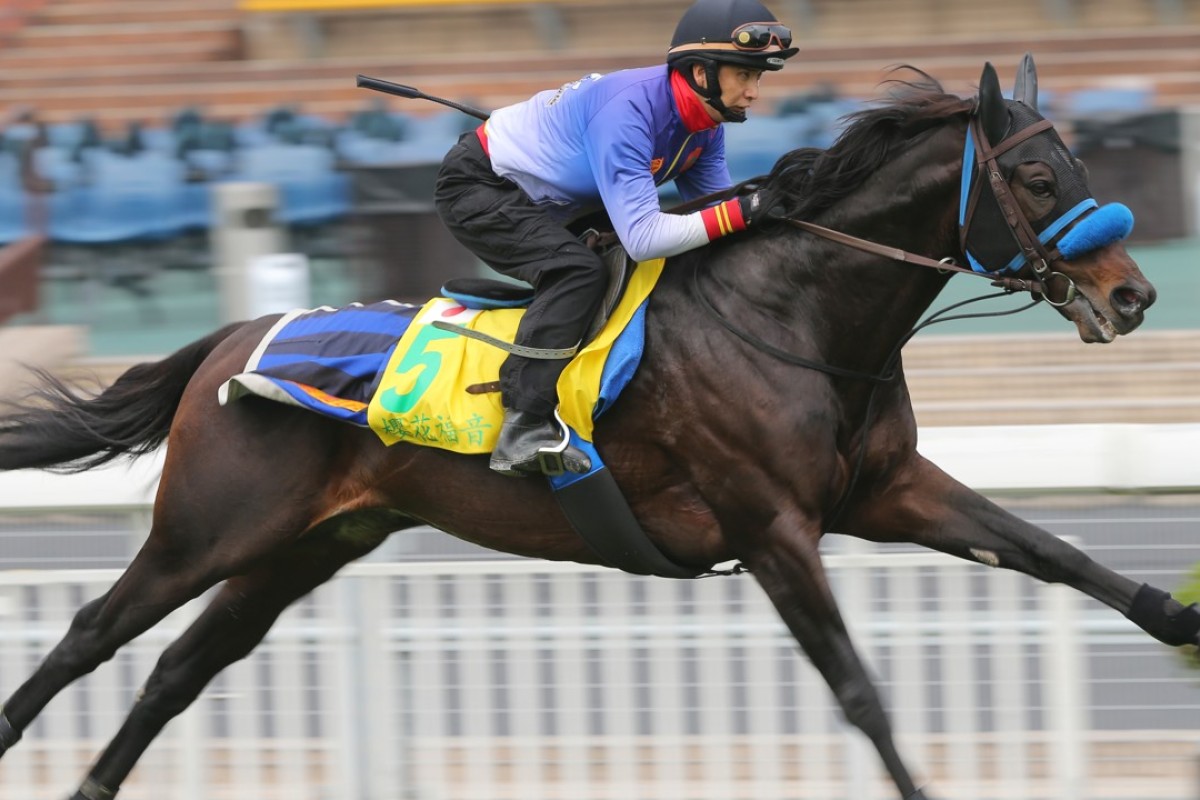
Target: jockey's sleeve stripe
[{"x": 723, "y": 219}]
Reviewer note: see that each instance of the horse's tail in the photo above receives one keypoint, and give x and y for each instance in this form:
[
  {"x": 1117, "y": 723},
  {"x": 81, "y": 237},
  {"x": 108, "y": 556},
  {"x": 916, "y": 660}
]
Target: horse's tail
[{"x": 59, "y": 429}]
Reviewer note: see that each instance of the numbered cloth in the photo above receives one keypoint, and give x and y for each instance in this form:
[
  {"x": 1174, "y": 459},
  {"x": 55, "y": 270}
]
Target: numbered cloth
[{"x": 384, "y": 366}]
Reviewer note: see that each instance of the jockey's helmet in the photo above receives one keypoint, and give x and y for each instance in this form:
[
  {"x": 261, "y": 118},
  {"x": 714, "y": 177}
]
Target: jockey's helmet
[{"x": 739, "y": 32}]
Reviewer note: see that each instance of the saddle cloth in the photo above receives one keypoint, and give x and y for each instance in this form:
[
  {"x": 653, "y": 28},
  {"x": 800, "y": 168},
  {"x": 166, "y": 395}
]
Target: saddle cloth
[{"x": 383, "y": 366}]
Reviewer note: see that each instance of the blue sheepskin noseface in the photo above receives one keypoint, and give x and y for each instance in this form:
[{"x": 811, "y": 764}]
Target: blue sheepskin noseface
[{"x": 1105, "y": 225}]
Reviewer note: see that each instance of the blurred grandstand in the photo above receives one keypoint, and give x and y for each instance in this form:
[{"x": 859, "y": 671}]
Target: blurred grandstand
[
  {"x": 124, "y": 116},
  {"x": 120, "y": 122}
]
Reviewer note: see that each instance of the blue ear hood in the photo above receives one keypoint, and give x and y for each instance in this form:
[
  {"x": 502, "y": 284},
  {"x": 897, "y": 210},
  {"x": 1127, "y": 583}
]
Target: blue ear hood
[{"x": 1107, "y": 224}]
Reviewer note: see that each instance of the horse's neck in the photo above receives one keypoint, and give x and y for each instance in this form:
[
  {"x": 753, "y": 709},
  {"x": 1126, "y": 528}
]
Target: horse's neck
[{"x": 852, "y": 305}]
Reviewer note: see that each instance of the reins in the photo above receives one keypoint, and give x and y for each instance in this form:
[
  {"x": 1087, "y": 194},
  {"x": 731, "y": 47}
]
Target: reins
[
  {"x": 1036, "y": 254},
  {"x": 1008, "y": 284},
  {"x": 1034, "y": 251}
]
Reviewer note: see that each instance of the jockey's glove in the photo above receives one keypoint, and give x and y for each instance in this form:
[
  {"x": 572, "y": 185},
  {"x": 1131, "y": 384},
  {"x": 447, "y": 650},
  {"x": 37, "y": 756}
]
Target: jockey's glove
[{"x": 757, "y": 212}]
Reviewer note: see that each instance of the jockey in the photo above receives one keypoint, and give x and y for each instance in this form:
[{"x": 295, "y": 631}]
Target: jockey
[{"x": 507, "y": 190}]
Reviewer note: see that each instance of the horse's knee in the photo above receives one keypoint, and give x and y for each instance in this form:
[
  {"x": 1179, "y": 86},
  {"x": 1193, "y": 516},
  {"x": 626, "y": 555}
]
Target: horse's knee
[
  {"x": 861, "y": 705},
  {"x": 1164, "y": 617},
  {"x": 182, "y": 673},
  {"x": 162, "y": 701},
  {"x": 167, "y": 692},
  {"x": 82, "y": 648}
]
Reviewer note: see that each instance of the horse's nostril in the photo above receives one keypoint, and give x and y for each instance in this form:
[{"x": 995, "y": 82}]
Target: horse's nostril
[
  {"x": 1130, "y": 300},
  {"x": 1150, "y": 296}
]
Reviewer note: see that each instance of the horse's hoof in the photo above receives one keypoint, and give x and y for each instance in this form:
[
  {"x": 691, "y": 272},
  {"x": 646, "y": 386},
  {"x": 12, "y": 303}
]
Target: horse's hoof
[{"x": 1165, "y": 618}]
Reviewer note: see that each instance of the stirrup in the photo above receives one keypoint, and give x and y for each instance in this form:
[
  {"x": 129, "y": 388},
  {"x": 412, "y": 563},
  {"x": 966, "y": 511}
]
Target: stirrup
[{"x": 550, "y": 459}]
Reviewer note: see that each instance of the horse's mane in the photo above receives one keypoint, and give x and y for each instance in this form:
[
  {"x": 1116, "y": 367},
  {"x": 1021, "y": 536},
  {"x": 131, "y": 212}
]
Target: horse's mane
[{"x": 809, "y": 180}]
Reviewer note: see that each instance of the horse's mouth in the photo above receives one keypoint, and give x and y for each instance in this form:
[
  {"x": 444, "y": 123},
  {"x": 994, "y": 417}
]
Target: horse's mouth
[
  {"x": 1094, "y": 325},
  {"x": 1104, "y": 325}
]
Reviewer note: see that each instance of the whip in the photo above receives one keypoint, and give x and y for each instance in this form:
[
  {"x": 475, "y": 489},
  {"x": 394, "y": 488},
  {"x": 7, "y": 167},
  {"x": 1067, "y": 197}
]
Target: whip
[{"x": 400, "y": 90}]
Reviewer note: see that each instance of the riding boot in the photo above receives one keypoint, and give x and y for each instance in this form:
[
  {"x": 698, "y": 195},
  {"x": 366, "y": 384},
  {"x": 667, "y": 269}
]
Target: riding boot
[{"x": 530, "y": 444}]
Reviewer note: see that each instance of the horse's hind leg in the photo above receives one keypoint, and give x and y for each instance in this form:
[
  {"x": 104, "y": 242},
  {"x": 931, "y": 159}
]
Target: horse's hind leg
[
  {"x": 158, "y": 581},
  {"x": 790, "y": 571},
  {"x": 228, "y": 629}
]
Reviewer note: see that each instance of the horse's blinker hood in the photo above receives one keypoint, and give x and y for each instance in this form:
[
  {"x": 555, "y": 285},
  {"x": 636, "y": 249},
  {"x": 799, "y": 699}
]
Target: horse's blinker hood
[{"x": 990, "y": 244}]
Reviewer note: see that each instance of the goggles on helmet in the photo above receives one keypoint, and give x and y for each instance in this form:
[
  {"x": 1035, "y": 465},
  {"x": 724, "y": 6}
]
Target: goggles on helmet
[{"x": 758, "y": 36}]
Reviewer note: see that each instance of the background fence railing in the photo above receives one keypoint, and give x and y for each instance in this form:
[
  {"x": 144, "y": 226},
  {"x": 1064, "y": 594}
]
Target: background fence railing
[{"x": 489, "y": 677}]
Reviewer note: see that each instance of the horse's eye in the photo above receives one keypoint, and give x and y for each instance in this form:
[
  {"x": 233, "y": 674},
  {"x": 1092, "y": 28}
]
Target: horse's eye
[{"x": 1042, "y": 189}]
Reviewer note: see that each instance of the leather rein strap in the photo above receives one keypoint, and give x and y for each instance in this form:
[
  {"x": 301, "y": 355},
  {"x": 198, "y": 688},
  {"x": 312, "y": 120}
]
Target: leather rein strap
[
  {"x": 896, "y": 254},
  {"x": 1037, "y": 255}
]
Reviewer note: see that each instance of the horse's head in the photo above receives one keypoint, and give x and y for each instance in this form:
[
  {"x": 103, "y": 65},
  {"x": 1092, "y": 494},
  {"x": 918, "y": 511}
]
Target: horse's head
[{"x": 1026, "y": 209}]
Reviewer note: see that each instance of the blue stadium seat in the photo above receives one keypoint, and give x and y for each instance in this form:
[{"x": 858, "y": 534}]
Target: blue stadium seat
[
  {"x": 213, "y": 163},
  {"x": 753, "y": 148},
  {"x": 195, "y": 206},
  {"x": 355, "y": 148},
  {"x": 311, "y": 190},
  {"x": 14, "y": 203},
  {"x": 443, "y": 126},
  {"x": 58, "y": 165},
  {"x": 129, "y": 199},
  {"x": 826, "y": 119},
  {"x": 377, "y": 122},
  {"x": 1129, "y": 100}
]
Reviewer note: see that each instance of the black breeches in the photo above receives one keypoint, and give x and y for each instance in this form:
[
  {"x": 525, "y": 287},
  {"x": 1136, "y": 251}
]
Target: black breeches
[{"x": 494, "y": 219}]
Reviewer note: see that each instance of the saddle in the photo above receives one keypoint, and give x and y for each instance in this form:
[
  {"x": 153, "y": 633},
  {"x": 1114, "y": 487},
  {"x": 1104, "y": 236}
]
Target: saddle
[
  {"x": 592, "y": 502},
  {"x": 486, "y": 293}
]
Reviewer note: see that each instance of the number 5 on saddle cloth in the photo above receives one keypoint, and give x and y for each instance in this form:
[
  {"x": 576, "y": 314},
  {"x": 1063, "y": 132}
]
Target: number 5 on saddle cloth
[{"x": 386, "y": 366}]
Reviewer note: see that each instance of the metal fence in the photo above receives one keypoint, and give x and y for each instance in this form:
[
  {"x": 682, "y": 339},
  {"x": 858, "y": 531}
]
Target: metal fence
[{"x": 507, "y": 678}]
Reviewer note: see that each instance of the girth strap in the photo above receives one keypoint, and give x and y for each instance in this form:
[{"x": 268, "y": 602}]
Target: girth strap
[{"x": 600, "y": 514}]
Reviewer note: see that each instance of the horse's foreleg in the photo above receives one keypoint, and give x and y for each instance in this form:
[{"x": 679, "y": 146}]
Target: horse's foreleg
[
  {"x": 227, "y": 630},
  {"x": 794, "y": 578},
  {"x": 155, "y": 584},
  {"x": 926, "y": 506}
]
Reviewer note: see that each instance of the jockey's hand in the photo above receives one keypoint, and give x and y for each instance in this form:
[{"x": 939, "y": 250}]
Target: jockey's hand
[{"x": 757, "y": 212}]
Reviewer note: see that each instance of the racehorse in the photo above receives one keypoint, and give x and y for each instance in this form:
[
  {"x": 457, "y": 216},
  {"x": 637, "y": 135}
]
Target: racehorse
[{"x": 798, "y": 333}]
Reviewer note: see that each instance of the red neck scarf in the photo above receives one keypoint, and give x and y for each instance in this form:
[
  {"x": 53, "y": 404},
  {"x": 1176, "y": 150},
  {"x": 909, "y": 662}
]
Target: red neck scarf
[{"x": 691, "y": 108}]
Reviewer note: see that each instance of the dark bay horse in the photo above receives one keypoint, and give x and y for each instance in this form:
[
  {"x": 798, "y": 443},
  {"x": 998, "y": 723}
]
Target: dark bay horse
[{"x": 272, "y": 500}]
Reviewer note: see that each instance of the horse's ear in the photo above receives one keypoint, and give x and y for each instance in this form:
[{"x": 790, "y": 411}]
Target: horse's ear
[
  {"x": 993, "y": 114},
  {"x": 1026, "y": 88}
]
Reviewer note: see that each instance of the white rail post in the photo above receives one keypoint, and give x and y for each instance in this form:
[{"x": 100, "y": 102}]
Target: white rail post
[
  {"x": 358, "y": 772},
  {"x": 1065, "y": 670},
  {"x": 193, "y": 776},
  {"x": 245, "y": 229},
  {"x": 854, "y": 598}
]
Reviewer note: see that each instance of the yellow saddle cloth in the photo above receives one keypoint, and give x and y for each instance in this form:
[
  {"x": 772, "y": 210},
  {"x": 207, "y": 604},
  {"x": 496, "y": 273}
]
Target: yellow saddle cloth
[{"x": 422, "y": 396}]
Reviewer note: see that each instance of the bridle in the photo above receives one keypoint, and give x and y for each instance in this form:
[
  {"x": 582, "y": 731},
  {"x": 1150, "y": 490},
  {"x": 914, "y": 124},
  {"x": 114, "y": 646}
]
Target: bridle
[
  {"x": 1034, "y": 251},
  {"x": 1040, "y": 259}
]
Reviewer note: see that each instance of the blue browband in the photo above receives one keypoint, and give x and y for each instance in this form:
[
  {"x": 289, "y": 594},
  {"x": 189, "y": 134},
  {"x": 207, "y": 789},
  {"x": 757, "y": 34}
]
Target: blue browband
[{"x": 1104, "y": 226}]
